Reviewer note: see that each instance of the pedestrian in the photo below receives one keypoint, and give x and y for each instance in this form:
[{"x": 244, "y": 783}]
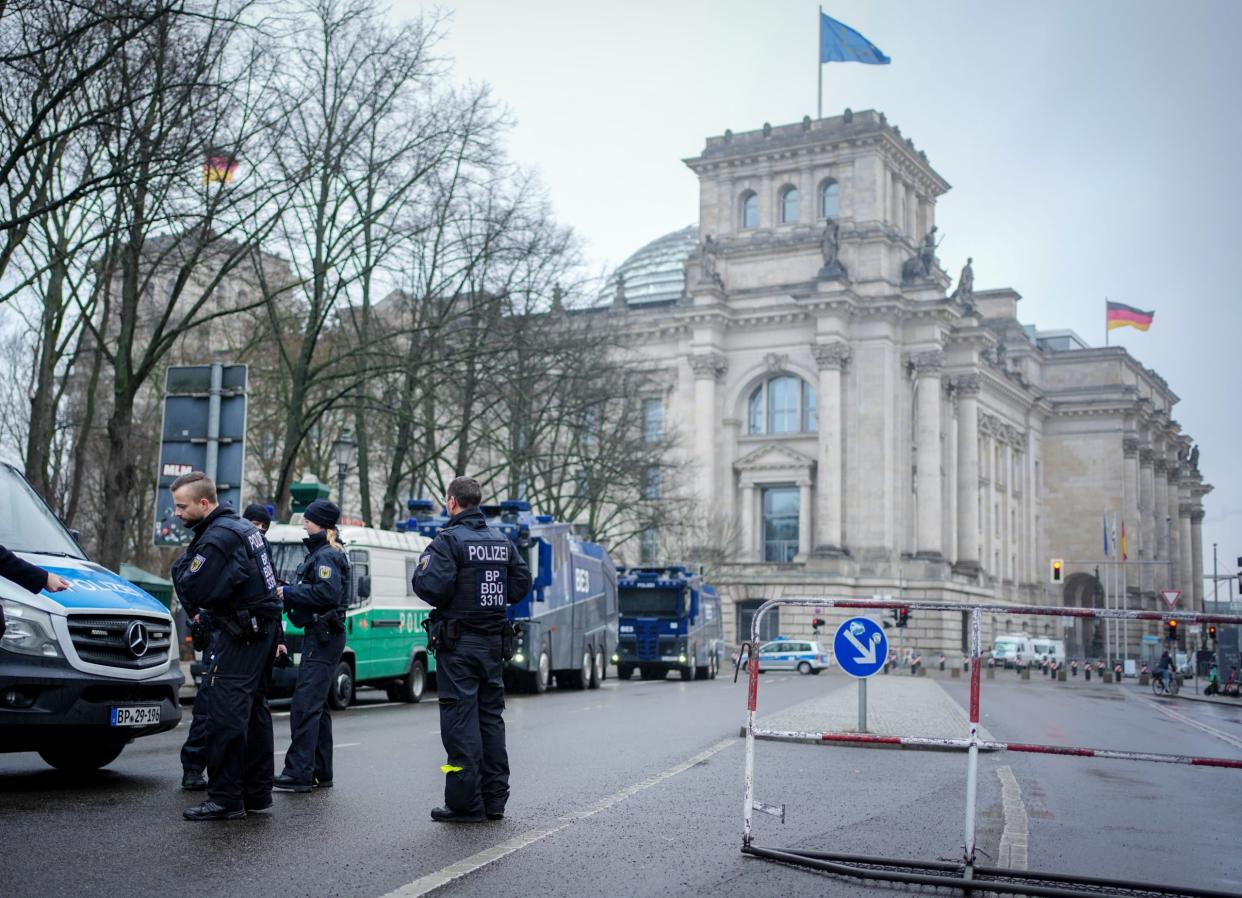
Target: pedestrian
[
  {"x": 194, "y": 750},
  {"x": 28, "y": 576},
  {"x": 316, "y": 602},
  {"x": 469, "y": 574},
  {"x": 227, "y": 571}
]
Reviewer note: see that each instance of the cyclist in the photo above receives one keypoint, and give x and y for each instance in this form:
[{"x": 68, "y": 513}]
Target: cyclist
[{"x": 1165, "y": 669}]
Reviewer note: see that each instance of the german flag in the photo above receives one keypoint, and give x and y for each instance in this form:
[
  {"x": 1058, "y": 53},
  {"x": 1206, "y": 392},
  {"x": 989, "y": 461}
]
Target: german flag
[
  {"x": 219, "y": 167},
  {"x": 1121, "y": 315}
]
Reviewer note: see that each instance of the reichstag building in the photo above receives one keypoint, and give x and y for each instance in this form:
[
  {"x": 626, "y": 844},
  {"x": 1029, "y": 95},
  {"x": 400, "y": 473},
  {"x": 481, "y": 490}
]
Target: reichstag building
[{"x": 863, "y": 429}]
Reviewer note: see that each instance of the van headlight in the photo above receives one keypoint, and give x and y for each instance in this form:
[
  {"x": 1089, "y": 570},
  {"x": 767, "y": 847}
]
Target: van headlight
[{"x": 28, "y": 631}]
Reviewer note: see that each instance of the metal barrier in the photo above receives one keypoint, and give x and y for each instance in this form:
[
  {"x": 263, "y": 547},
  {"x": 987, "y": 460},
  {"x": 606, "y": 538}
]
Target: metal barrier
[{"x": 966, "y": 875}]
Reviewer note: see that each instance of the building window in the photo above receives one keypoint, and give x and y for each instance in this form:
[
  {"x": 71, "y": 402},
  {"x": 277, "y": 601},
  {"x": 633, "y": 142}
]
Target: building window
[
  {"x": 829, "y": 199},
  {"x": 769, "y": 626},
  {"x": 649, "y": 545},
  {"x": 750, "y": 210},
  {"x": 651, "y": 482},
  {"x": 783, "y": 404},
  {"x": 790, "y": 205},
  {"x": 653, "y": 420},
  {"x": 780, "y": 524}
]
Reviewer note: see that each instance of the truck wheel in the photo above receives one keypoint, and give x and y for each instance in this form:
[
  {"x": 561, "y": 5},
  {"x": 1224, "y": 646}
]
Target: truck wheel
[
  {"x": 625, "y": 671},
  {"x": 411, "y": 687},
  {"x": 713, "y": 666},
  {"x": 75, "y": 759},
  {"x": 341, "y": 692},
  {"x": 580, "y": 678},
  {"x": 687, "y": 672},
  {"x": 537, "y": 680},
  {"x": 597, "y": 664},
  {"x": 804, "y": 668}
]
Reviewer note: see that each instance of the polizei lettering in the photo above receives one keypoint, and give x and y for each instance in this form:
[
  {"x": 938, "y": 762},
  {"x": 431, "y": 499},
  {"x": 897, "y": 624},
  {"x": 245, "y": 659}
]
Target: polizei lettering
[{"x": 498, "y": 552}]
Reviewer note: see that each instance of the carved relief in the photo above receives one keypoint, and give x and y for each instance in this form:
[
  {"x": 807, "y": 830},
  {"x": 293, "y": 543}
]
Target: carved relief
[
  {"x": 830, "y": 355},
  {"x": 1130, "y": 446},
  {"x": 708, "y": 364},
  {"x": 966, "y": 384},
  {"x": 1145, "y": 457},
  {"x": 927, "y": 362},
  {"x": 776, "y": 361}
]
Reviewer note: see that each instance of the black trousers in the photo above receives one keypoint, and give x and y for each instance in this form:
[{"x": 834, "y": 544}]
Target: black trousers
[
  {"x": 472, "y": 699},
  {"x": 309, "y": 757},
  {"x": 194, "y": 751},
  {"x": 239, "y": 732}
]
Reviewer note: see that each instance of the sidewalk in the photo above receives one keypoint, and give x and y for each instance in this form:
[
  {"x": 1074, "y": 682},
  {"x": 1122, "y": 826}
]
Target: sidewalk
[{"x": 896, "y": 706}]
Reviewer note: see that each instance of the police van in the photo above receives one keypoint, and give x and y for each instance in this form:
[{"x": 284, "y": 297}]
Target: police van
[
  {"x": 568, "y": 619},
  {"x": 85, "y": 671},
  {"x": 385, "y": 643}
]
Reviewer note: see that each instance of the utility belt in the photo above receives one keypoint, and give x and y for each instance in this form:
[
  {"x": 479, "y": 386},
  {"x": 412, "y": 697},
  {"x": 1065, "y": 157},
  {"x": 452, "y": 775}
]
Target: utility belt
[
  {"x": 324, "y": 626},
  {"x": 244, "y": 626},
  {"x": 443, "y": 635}
]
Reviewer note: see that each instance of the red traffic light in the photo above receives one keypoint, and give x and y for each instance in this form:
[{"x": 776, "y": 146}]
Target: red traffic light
[{"x": 1212, "y": 632}]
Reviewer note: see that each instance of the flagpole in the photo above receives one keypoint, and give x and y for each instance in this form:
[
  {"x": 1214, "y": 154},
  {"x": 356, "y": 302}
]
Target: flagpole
[
  {"x": 1105, "y": 320},
  {"x": 819, "y": 63}
]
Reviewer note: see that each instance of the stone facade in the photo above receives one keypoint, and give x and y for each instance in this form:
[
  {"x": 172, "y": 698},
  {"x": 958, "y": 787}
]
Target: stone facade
[{"x": 870, "y": 431}]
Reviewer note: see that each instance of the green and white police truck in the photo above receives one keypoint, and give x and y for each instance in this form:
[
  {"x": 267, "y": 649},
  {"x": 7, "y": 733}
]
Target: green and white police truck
[{"x": 385, "y": 643}]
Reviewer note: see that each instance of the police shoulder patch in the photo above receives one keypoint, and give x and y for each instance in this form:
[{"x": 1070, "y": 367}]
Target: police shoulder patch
[
  {"x": 325, "y": 572},
  {"x": 196, "y": 563}
]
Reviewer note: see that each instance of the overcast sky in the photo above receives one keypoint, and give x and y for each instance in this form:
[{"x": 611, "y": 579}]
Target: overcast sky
[{"x": 1090, "y": 146}]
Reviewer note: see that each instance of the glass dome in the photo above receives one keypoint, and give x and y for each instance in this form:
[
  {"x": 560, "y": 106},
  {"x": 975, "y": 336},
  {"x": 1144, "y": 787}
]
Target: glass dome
[{"x": 657, "y": 272}]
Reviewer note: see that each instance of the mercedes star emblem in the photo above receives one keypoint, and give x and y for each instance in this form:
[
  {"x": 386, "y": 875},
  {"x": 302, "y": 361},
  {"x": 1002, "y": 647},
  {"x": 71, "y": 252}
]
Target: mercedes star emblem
[{"x": 137, "y": 638}]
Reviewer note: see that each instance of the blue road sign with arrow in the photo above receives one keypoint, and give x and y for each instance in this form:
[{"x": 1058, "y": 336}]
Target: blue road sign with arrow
[{"x": 861, "y": 647}]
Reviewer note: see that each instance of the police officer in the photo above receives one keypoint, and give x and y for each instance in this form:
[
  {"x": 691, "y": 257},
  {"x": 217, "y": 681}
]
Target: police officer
[
  {"x": 226, "y": 571},
  {"x": 28, "y": 576},
  {"x": 469, "y": 573},
  {"x": 194, "y": 751},
  {"x": 317, "y": 603}
]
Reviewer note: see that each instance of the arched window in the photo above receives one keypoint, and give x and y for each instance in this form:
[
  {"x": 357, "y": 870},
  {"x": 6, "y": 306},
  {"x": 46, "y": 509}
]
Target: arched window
[
  {"x": 790, "y": 205},
  {"x": 750, "y": 210},
  {"x": 829, "y": 199},
  {"x": 782, "y": 404}
]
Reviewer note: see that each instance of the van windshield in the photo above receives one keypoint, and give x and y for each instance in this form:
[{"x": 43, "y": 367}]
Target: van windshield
[
  {"x": 650, "y": 602},
  {"x": 1006, "y": 648},
  {"x": 26, "y": 523}
]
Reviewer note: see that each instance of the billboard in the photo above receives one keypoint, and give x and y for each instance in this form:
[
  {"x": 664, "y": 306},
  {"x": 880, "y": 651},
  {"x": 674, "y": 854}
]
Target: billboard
[{"x": 204, "y": 429}]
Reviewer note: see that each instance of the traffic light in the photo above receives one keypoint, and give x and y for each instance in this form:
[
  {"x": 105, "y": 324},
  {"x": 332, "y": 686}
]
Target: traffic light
[
  {"x": 903, "y": 617},
  {"x": 816, "y": 623},
  {"x": 1211, "y": 631},
  {"x": 1171, "y": 628},
  {"x": 1058, "y": 570}
]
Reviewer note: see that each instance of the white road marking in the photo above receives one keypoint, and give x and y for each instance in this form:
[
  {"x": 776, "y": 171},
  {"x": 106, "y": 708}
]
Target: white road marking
[
  {"x": 1182, "y": 718},
  {"x": 1015, "y": 838},
  {"x": 433, "y": 881}
]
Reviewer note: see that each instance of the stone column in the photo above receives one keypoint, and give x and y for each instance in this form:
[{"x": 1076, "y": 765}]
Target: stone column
[
  {"x": 1196, "y": 558},
  {"x": 804, "y": 520},
  {"x": 1147, "y": 502},
  {"x": 707, "y": 367},
  {"x": 831, "y": 359},
  {"x": 929, "y": 541},
  {"x": 967, "y": 386},
  {"x": 747, "y": 516},
  {"x": 1173, "y": 527},
  {"x": 1160, "y": 546},
  {"x": 1186, "y": 569}
]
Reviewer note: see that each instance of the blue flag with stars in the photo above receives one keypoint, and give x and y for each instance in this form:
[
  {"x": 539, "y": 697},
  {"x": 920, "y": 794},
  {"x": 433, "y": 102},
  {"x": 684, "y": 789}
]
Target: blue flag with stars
[{"x": 841, "y": 43}]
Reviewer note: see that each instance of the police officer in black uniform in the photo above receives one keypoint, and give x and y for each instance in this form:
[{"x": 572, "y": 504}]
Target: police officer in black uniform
[
  {"x": 226, "y": 571},
  {"x": 317, "y": 603},
  {"x": 28, "y": 576},
  {"x": 194, "y": 751},
  {"x": 469, "y": 573}
]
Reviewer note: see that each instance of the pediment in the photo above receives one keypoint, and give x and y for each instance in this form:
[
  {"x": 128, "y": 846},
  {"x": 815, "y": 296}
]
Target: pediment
[{"x": 774, "y": 457}]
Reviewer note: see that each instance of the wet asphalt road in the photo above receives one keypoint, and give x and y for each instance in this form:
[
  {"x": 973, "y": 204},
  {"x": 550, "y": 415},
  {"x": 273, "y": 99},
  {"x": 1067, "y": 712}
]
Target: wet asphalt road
[{"x": 604, "y": 802}]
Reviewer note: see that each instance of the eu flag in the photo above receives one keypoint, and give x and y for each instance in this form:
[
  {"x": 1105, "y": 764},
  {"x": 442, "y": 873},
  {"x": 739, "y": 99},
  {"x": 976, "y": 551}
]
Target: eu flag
[{"x": 841, "y": 43}]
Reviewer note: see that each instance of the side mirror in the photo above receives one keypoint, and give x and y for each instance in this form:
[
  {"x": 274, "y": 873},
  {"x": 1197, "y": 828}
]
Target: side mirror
[{"x": 364, "y": 586}]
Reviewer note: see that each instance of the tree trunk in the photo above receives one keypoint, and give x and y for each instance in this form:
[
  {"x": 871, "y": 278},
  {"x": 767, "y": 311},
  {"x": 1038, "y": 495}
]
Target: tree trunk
[
  {"x": 119, "y": 479},
  {"x": 43, "y": 401}
]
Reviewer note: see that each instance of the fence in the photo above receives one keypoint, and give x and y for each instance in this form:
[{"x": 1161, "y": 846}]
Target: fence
[{"x": 966, "y": 875}]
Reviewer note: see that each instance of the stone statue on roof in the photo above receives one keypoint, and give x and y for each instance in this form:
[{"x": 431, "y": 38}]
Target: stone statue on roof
[{"x": 830, "y": 249}]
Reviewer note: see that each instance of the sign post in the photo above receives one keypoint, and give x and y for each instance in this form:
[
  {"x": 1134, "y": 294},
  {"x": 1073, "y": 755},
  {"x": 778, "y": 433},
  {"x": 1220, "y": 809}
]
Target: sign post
[
  {"x": 861, "y": 649},
  {"x": 204, "y": 429}
]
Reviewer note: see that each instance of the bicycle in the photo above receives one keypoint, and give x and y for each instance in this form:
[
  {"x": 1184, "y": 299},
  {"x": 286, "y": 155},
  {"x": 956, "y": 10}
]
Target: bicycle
[{"x": 1159, "y": 685}]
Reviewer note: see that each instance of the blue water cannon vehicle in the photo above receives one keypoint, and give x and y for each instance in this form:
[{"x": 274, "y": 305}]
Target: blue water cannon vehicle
[
  {"x": 670, "y": 620},
  {"x": 569, "y": 619}
]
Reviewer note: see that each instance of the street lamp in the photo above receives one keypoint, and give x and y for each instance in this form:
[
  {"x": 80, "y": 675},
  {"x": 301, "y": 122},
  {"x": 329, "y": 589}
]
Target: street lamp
[{"x": 344, "y": 449}]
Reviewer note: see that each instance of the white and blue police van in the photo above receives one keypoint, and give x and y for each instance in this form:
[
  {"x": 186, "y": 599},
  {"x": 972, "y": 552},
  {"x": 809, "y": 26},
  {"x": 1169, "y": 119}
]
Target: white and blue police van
[{"x": 85, "y": 671}]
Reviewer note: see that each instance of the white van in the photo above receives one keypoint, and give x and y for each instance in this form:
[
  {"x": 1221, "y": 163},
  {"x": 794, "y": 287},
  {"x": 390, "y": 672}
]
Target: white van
[
  {"x": 1011, "y": 648},
  {"x": 1052, "y": 649}
]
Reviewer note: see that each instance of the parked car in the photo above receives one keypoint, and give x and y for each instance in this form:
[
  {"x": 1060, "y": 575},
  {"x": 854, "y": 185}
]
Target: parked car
[{"x": 783, "y": 653}]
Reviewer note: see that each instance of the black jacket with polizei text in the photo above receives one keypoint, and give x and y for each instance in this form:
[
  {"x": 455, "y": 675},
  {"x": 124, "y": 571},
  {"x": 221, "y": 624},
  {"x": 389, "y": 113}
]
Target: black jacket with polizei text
[
  {"x": 322, "y": 582},
  {"x": 226, "y": 568},
  {"x": 470, "y": 572}
]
